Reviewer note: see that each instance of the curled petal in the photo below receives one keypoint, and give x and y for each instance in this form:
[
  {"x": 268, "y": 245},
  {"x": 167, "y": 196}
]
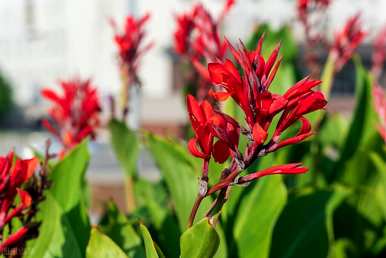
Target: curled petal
[{"x": 194, "y": 150}]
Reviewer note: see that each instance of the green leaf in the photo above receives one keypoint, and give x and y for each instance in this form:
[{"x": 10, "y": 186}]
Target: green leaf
[
  {"x": 57, "y": 234},
  {"x": 152, "y": 251},
  {"x": 180, "y": 172},
  {"x": 101, "y": 246},
  {"x": 125, "y": 144},
  {"x": 64, "y": 210},
  {"x": 152, "y": 202},
  {"x": 68, "y": 188},
  {"x": 258, "y": 213},
  {"x": 304, "y": 228},
  {"x": 199, "y": 241},
  {"x": 117, "y": 226},
  {"x": 363, "y": 124}
]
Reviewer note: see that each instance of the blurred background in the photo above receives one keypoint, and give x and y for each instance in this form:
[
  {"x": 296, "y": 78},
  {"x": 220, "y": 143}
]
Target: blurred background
[{"x": 42, "y": 41}]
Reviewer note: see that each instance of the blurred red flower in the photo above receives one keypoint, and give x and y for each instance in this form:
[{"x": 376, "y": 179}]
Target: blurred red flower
[
  {"x": 14, "y": 173},
  {"x": 131, "y": 46},
  {"x": 197, "y": 37},
  {"x": 346, "y": 41},
  {"x": 74, "y": 114}
]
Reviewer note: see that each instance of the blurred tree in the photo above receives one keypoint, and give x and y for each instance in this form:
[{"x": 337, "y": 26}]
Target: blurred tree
[{"x": 6, "y": 101}]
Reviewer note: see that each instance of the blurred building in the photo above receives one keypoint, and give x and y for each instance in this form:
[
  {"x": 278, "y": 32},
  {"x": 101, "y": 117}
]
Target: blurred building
[{"x": 43, "y": 40}]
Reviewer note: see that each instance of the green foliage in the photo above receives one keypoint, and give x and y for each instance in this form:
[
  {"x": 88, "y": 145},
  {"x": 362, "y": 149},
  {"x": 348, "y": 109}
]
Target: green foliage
[
  {"x": 101, "y": 246},
  {"x": 304, "y": 226},
  {"x": 120, "y": 230},
  {"x": 6, "y": 101},
  {"x": 65, "y": 226},
  {"x": 261, "y": 209},
  {"x": 200, "y": 241},
  {"x": 125, "y": 144},
  {"x": 180, "y": 172}
]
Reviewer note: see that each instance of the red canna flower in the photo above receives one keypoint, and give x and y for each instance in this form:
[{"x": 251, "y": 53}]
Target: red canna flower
[
  {"x": 380, "y": 106},
  {"x": 130, "y": 43},
  {"x": 202, "y": 145},
  {"x": 346, "y": 41},
  {"x": 197, "y": 38},
  {"x": 312, "y": 16},
  {"x": 250, "y": 89},
  {"x": 15, "y": 201},
  {"x": 74, "y": 114}
]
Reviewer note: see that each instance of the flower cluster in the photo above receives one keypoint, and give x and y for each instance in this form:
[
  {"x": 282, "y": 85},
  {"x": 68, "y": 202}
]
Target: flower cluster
[
  {"x": 312, "y": 16},
  {"x": 217, "y": 134},
  {"x": 346, "y": 41},
  {"x": 197, "y": 37},
  {"x": 131, "y": 46},
  {"x": 20, "y": 189},
  {"x": 74, "y": 114},
  {"x": 380, "y": 106}
]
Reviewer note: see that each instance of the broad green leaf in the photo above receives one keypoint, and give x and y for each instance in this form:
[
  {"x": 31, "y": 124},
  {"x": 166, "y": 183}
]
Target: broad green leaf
[
  {"x": 363, "y": 124},
  {"x": 68, "y": 188},
  {"x": 180, "y": 172},
  {"x": 257, "y": 215},
  {"x": 57, "y": 234},
  {"x": 64, "y": 209},
  {"x": 101, "y": 246},
  {"x": 150, "y": 246},
  {"x": 119, "y": 229},
  {"x": 304, "y": 226},
  {"x": 199, "y": 241},
  {"x": 125, "y": 144}
]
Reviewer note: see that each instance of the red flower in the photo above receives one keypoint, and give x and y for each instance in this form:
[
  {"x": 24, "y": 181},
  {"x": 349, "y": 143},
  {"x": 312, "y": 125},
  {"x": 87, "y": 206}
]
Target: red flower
[
  {"x": 250, "y": 89},
  {"x": 380, "y": 106},
  {"x": 201, "y": 146},
  {"x": 14, "y": 173},
  {"x": 130, "y": 43},
  {"x": 197, "y": 37},
  {"x": 346, "y": 41},
  {"x": 74, "y": 114}
]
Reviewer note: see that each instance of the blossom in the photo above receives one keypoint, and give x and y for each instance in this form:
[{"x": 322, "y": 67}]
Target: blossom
[
  {"x": 74, "y": 114},
  {"x": 250, "y": 89},
  {"x": 202, "y": 117},
  {"x": 197, "y": 38},
  {"x": 130, "y": 44},
  {"x": 380, "y": 106},
  {"x": 346, "y": 41},
  {"x": 14, "y": 174}
]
